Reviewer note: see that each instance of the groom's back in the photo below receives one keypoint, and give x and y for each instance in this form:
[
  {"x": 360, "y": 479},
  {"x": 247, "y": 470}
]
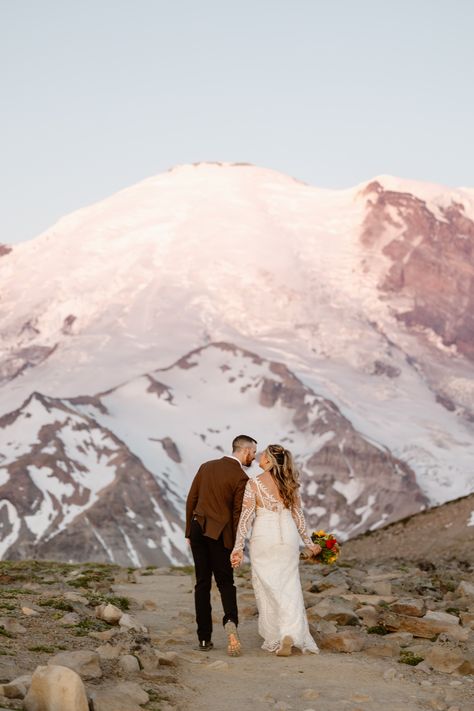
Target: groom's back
[{"x": 215, "y": 498}]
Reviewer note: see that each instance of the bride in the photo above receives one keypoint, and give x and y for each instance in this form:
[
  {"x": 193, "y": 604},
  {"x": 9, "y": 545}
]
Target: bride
[{"x": 273, "y": 499}]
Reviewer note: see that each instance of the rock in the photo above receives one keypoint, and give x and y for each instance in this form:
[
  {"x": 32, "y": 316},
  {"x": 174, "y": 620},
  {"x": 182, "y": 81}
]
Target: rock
[
  {"x": 379, "y": 587},
  {"x": 112, "y": 700},
  {"x": 343, "y": 641},
  {"x": 335, "y": 579},
  {"x": 127, "y": 622},
  {"x": 390, "y": 674},
  {"x": 455, "y": 633},
  {"x": 16, "y": 689},
  {"x": 168, "y": 659},
  {"x": 75, "y": 597},
  {"x": 408, "y": 606},
  {"x": 134, "y": 692},
  {"x": 403, "y": 638},
  {"x": 109, "y": 613},
  {"x": 71, "y": 618},
  {"x": 310, "y": 694},
  {"x": 129, "y": 664},
  {"x": 467, "y": 619},
  {"x": 56, "y": 688},
  {"x": 467, "y": 667},
  {"x": 150, "y": 605},
  {"x": 104, "y": 636},
  {"x": 443, "y": 617},
  {"x": 465, "y": 589},
  {"x": 12, "y": 626},
  {"x": 325, "y": 627},
  {"x": 360, "y": 698},
  {"x": 418, "y": 626},
  {"x": 29, "y": 612},
  {"x": 368, "y": 614},
  {"x": 382, "y": 648},
  {"x": 335, "y": 609},
  {"x": 108, "y": 651},
  {"x": 365, "y": 599},
  {"x": 85, "y": 662},
  {"x": 219, "y": 665},
  {"x": 444, "y": 659}
]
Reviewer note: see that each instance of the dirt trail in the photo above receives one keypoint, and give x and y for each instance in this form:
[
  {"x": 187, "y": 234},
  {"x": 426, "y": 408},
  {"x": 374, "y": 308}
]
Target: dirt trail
[{"x": 258, "y": 680}]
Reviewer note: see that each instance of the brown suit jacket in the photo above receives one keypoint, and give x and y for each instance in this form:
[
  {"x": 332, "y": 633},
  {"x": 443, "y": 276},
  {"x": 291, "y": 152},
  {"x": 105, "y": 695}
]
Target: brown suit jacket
[{"x": 215, "y": 499}]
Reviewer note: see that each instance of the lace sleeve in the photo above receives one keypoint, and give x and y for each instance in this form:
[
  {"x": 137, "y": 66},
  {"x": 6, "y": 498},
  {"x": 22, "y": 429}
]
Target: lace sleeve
[
  {"x": 246, "y": 516},
  {"x": 298, "y": 518}
]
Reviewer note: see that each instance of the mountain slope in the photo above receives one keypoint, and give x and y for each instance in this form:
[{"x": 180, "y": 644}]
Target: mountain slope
[{"x": 106, "y": 477}]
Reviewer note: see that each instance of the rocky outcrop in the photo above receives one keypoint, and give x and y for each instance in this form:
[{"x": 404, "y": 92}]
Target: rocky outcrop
[{"x": 430, "y": 257}]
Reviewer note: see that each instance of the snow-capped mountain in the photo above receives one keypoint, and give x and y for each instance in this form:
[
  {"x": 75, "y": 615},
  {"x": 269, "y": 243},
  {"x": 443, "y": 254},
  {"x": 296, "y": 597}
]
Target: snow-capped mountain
[
  {"x": 364, "y": 296},
  {"x": 75, "y": 490}
]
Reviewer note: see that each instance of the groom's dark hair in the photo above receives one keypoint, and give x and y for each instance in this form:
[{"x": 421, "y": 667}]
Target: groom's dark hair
[{"x": 242, "y": 441}]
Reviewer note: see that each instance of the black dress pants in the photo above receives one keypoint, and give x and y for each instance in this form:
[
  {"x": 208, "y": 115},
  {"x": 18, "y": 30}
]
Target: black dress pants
[{"x": 211, "y": 558}]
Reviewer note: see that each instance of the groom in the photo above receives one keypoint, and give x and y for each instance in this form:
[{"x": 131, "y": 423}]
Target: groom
[{"x": 212, "y": 513}]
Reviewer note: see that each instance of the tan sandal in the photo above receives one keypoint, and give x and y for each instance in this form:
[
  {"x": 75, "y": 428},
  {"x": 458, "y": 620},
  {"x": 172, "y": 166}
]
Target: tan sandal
[
  {"x": 284, "y": 649},
  {"x": 234, "y": 648}
]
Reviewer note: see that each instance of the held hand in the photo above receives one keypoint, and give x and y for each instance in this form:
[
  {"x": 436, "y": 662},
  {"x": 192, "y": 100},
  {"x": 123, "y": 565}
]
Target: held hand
[
  {"x": 188, "y": 541},
  {"x": 314, "y": 549},
  {"x": 236, "y": 558}
]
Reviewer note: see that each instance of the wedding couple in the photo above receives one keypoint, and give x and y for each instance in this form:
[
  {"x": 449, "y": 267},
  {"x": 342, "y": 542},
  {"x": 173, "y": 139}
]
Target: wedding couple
[{"x": 222, "y": 504}]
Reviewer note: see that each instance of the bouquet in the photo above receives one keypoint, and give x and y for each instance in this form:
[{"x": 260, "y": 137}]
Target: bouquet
[{"x": 330, "y": 549}]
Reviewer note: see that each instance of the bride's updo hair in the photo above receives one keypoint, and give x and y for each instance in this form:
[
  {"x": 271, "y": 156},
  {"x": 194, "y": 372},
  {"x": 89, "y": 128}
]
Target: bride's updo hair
[{"x": 284, "y": 473}]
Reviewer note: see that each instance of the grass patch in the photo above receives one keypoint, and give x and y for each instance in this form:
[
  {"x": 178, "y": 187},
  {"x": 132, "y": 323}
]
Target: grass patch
[
  {"x": 57, "y": 603},
  {"x": 42, "y": 648},
  {"x": 6, "y": 633},
  {"x": 7, "y": 606},
  {"x": 378, "y": 629},
  {"x": 16, "y": 592},
  {"x": 407, "y": 657},
  {"x": 88, "y": 624}
]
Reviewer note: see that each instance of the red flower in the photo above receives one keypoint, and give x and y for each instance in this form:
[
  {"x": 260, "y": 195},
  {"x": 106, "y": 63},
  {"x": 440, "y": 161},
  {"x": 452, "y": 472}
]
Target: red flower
[{"x": 330, "y": 543}]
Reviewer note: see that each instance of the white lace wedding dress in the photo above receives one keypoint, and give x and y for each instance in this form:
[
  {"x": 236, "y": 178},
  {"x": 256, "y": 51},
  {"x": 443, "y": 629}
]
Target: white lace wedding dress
[{"x": 274, "y": 557}]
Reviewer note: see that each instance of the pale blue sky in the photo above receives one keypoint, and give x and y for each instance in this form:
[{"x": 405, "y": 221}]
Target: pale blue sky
[{"x": 99, "y": 94}]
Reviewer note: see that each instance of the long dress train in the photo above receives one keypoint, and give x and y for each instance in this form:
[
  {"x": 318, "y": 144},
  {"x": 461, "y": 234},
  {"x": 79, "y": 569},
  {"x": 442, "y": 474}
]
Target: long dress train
[{"x": 274, "y": 557}]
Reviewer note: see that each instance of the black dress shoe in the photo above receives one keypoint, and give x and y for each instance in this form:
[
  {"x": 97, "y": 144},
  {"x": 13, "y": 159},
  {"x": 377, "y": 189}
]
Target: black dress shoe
[{"x": 205, "y": 646}]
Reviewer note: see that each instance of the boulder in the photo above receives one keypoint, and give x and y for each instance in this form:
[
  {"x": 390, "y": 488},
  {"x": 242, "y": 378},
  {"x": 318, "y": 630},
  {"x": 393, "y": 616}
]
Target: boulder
[
  {"x": 465, "y": 589},
  {"x": 56, "y": 688},
  {"x": 334, "y": 609},
  {"x": 444, "y": 659},
  {"x": 109, "y": 613},
  {"x": 75, "y": 597},
  {"x": 443, "y": 617},
  {"x": 30, "y": 612},
  {"x": 71, "y": 618},
  {"x": 418, "y": 626},
  {"x": 127, "y": 622},
  {"x": 84, "y": 662},
  {"x": 334, "y": 579},
  {"x": 342, "y": 641},
  {"x": 413, "y": 607},
  {"x": 11, "y": 625},
  {"x": 108, "y": 651},
  {"x": 124, "y": 696},
  {"x": 467, "y": 619},
  {"x": 381, "y": 647},
  {"x": 129, "y": 664},
  {"x": 16, "y": 689},
  {"x": 368, "y": 614},
  {"x": 467, "y": 667}
]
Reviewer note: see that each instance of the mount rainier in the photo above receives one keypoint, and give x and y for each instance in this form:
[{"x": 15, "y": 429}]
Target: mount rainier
[{"x": 140, "y": 334}]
